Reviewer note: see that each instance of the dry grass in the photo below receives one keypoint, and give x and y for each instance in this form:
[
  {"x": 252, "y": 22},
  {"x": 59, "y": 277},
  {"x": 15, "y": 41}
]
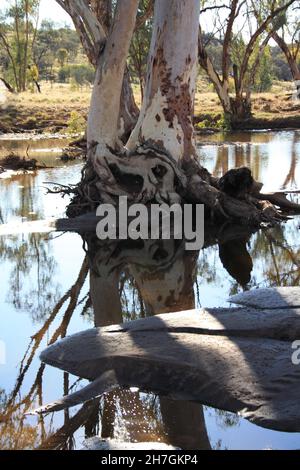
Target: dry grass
[
  {"x": 51, "y": 109},
  {"x": 56, "y": 95},
  {"x": 63, "y": 95}
]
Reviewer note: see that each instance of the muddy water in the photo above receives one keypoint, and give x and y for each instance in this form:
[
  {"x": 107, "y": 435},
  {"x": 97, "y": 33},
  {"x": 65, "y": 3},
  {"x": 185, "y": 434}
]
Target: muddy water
[{"x": 45, "y": 295}]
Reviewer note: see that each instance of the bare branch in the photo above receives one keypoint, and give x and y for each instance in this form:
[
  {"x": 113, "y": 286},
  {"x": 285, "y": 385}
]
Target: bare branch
[
  {"x": 227, "y": 38},
  {"x": 90, "y": 30},
  {"x": 215, "y": 7},
  {"x": 7, "y": 85},
  {"x": 290, "y": 57},
  {"x": 91, "y": 22}
]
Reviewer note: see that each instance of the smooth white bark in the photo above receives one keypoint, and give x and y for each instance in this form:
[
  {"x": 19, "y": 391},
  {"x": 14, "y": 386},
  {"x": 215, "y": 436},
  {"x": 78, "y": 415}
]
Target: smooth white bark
[
  {"x": 166, "y": 114},
  {"x": 103, "y": 117},
  {"x": 221, "y": 88}
]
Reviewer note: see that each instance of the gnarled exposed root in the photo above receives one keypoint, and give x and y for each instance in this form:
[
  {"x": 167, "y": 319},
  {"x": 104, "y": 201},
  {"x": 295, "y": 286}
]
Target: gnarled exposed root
[
  {"x": 279, "y": 199},
  {"x": 150, "y": 175},
  {"x": 146, "y": 176}
]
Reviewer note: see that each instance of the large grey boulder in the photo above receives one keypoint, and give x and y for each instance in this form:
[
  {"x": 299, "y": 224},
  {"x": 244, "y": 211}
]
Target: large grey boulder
[
  {"x": 238, "y": 360},
  {"x": 271, "y": 298}
]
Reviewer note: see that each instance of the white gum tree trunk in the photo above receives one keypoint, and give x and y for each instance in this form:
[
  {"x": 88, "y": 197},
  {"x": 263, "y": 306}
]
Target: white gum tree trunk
[
  {"x": 222, "y": 89},
  {"x": 103, "y": 120},
  {"x": 166, "y": 115}
]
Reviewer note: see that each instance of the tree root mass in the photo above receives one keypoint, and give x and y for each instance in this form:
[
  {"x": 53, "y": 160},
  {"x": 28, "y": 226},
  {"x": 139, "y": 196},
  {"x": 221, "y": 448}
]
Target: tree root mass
[{"x": 152, "y": 176}]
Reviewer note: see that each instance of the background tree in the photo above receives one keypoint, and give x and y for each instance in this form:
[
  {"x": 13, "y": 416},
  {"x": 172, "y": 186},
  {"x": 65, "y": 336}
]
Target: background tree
[
  {"x": 62, "y": 55},
  {"x": 33, "y": 76},
  {"x": 18, "y": 30},
  {"x": 285, "y": 30},
  {"x": 50, "y": 38},
  {"x": 258, "y": 76},
  {"x": 80, "y": 75},
  {"x": 236, "y": 19},
  {"x": 264, "y": 77},
  {"x": 139, "y": 48}
]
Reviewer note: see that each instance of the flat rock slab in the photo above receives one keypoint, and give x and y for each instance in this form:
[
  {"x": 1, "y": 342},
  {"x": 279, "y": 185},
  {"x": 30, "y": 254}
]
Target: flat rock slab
[
  {"x": 283, "y": 324},
  {"x": 229, "y": 359},
  {"x": 275, "y": 297},
  {"x": 95, "y": 443}
]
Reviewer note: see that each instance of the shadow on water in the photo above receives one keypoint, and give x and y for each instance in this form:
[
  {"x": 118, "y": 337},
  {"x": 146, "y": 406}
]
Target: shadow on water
[{"x": 127, "y": 282}]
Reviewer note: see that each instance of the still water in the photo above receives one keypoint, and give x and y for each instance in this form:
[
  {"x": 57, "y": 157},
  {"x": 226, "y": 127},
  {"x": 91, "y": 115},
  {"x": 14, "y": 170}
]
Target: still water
[
  {"x": 45, "y": 294},
  {"x": 45, "y": 148}
]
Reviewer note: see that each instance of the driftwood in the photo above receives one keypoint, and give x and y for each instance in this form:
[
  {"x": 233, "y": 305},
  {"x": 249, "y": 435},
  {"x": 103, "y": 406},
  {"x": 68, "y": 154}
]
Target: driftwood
[
  {"x": 238, "y": 360},
  {"x": 81, "y": 224},
  {"x": 224, "y": 235},
  {"x": 16, "y": 163},
  {"x": 88, "y": 223}
]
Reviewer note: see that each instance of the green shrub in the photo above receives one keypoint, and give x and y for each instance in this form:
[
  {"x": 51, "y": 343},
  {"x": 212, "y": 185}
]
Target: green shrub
[
  {"x": 81, "y": 74},
  {"x": 76, "y": 123},
  {"x": 64, "y": 74},
  {"x": 224, "y": 123}
]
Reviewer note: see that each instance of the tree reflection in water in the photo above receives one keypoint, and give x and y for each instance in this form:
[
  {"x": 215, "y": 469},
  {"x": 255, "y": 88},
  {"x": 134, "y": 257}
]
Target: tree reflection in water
[
  {"x": 15, "y": 407},
  {"x": 30, "y": 255},
  {"x": 128, "y": 281},
  {"x": 164, "y": 275}
]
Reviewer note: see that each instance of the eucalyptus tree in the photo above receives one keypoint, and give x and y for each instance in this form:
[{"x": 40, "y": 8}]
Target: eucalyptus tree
[
  {"x": 93, "y": 22},
  {"x": 18, "y": 30},
  {"x": 285, "y": 31},
  {"x": 229, "y": 21},
  {"x": 158, "y": 163}
]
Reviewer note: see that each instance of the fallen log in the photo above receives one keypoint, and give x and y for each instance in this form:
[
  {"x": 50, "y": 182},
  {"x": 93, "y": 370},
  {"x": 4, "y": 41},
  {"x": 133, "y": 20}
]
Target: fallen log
[{"x": 16, "y": 163}]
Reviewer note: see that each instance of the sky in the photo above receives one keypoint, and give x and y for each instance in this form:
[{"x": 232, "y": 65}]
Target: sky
[{"x": 49, "y": 10}]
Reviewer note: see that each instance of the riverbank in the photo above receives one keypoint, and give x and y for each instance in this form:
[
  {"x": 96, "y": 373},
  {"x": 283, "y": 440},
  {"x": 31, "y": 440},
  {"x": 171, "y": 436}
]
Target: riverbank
[
  {"x": 50, "y": 112},
  {"x": 59, "y": 108}
]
